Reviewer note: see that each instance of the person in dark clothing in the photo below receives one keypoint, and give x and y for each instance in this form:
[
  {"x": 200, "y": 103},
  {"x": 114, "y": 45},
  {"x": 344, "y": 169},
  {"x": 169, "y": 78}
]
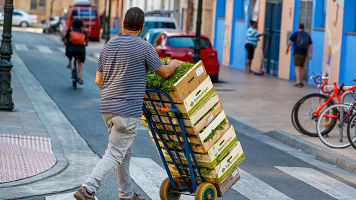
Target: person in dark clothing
[
  {"x": 302, "y": 45},
  {"x": 76, "y": 40}
]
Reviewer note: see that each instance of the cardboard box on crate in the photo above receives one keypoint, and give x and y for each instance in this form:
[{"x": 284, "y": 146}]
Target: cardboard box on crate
[
  {"x": 216, "y": 153},
  {"x": 202, "y": 141},
  {"x": 223, "y": 176},
  {"x": 211, "y": 137}
]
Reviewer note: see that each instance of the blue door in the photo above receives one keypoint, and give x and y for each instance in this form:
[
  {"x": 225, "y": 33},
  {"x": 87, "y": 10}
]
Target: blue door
[
  {"x": 272, "y": 36},
  {"x": 220, "y": 28}
]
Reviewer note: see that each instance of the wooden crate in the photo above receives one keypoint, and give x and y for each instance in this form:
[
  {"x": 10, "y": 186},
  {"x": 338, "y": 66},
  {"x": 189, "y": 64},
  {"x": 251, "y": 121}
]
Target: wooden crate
[
  {"x": 215, "y": 154},
  {"x": 198, "y": 97},
  {"x": 228, "y": 183},
  {"x": 200, "y": 119},
  {"x": 222, "y": 170},
  {"x": 202, "y": 142},
  {"x": 187, "y": 84}
]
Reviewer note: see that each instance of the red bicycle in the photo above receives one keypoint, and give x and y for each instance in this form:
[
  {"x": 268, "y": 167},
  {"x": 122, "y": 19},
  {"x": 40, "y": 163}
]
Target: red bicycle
[{"x": 307, "y": 110}]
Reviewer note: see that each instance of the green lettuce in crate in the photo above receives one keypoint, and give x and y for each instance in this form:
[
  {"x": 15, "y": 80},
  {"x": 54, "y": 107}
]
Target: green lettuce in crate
[{"x": 156, "y": 82}]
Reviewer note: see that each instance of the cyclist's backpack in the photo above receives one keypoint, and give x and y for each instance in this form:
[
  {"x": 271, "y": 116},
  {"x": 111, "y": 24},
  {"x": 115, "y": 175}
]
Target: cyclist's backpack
[
  {"x": 302, "y": 41},
  {"x": 77, "y": 38}
]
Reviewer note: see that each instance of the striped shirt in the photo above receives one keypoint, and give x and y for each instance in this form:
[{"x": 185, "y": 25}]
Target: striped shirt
[
  {"x": 252, "y": 36},
  {"x": 124, "y": 62}
]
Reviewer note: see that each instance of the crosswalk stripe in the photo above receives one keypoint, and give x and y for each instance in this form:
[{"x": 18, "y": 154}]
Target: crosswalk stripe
[
  {"x": 321, "y": 182},
  {"x": 149, "y": 175},
  {"x": 66, "y": 196},
  {"x": 20, "y": 47},
  {"x": 253, "y": 188},
  {"x": 44, "y": 49}
]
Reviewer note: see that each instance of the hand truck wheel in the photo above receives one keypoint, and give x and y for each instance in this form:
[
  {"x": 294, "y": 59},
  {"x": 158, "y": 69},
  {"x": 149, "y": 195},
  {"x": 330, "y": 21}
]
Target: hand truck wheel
[
  {"x": 206, "y": 191},
  {"x": 166, "y": 191}
]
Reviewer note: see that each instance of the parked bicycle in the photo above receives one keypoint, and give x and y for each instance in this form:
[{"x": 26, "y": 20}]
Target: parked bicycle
[
  {"x": 307, "y": 110},
  {"x": 340, "y": 136}
]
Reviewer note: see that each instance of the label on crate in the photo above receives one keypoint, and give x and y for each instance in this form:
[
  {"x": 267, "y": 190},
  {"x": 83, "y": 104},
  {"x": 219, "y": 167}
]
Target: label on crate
[
  {"x": 200, "y": 71},
  {"x": 222, "y": 143}
]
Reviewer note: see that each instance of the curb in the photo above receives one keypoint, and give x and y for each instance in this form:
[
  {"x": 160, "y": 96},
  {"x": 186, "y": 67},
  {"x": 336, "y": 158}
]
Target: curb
[
  {"x": 74, "y": 156},
  {"x": 320, "y": 152}
]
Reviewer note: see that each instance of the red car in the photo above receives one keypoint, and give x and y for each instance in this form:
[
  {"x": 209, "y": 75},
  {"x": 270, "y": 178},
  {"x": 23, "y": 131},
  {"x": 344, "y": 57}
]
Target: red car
[{"x": 179, "y": 45}]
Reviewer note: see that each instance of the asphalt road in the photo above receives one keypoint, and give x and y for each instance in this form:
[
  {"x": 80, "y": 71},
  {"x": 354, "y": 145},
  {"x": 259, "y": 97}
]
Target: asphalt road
[{"x": 265, "y": 163}]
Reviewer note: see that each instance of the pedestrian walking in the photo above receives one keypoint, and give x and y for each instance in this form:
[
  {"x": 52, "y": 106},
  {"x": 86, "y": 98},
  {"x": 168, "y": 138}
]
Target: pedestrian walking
[
  {"x": 252, "y": 37},
  {"x": 302, "y": 45},
  {"x": 121, "y": 76},
  {"x": 75, "y": 40}
]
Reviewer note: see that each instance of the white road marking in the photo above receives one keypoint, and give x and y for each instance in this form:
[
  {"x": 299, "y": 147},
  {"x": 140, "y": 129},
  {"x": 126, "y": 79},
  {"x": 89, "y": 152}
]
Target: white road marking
[
  {"x": 20, "y": 47},
  {"x": 149, "y": 176},
  {"x": 321, "y": 182},
  {"x": 253, "y": 188},
  {"x": 66, "y": 196},
  {"x": 44, "y": 49}
]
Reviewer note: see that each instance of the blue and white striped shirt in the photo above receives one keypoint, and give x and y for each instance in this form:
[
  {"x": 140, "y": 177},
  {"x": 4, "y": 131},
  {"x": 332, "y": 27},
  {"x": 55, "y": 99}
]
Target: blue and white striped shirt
[
  {"x": 252, "y": 36},
  {"x": 124, "y": 62}
]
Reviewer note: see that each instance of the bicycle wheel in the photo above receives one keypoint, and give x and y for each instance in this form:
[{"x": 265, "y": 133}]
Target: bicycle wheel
[
  {"x": 351, "y": 131},
  {"x": 74, "y": 78},
  {"x": 292, "y": 116},
  {"x": 304, "y": 114},
  {"x": 337, "y": 136}
]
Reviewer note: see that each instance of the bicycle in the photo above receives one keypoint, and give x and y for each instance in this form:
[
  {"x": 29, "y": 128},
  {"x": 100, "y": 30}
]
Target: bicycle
[
  {"x": 351, "y": 135},
  {"x": 342, "y": 113},
  {"x": 319, "y": 102},
  {"x": 75, "y": 78}
]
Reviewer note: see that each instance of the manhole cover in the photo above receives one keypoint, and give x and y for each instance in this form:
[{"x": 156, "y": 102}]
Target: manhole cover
[{"x": 24, "y": 156}]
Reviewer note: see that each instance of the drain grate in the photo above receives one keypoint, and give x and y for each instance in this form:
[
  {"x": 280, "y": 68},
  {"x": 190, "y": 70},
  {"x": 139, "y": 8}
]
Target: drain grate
[{"x": 24, "y": 156}]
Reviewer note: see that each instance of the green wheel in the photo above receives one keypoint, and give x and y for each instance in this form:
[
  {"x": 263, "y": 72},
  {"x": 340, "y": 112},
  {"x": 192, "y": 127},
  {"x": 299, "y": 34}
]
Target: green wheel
[
  {"x": 206, "y": 191},
  {"x": 166, "y": 191}
]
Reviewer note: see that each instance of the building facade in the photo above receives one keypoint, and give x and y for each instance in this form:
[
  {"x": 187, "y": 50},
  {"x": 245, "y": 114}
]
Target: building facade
[{"x": 331, "y": 24}]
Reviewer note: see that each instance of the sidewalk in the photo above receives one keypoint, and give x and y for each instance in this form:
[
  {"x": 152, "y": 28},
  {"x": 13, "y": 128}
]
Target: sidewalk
[
  {"x": 265, "y": 103},
  {"x": 40, "y": 151}
]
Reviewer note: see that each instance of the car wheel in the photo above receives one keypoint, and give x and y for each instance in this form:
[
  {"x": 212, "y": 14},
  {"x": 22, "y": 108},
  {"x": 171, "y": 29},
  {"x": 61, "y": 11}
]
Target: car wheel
[
  {"x": 24, "y": 24},
  {"x": 214, "y": 78}
]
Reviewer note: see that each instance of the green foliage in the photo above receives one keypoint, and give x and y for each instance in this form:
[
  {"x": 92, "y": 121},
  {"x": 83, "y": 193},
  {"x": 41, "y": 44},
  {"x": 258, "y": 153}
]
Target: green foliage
[
  {"x": 214, "y": 131},
  {"x": 156, "y": 82}
]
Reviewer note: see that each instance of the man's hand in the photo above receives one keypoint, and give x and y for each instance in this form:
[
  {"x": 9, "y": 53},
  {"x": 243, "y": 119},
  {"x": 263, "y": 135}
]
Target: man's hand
[
  {"x": 287, "y": 51},
  {"x": 168, "y": 70},
  {"x": 310, "y": 57}
]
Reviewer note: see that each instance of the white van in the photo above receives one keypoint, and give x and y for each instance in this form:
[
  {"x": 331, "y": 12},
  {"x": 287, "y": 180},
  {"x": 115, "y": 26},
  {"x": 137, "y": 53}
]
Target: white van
[{"x": 159, "y": 22}]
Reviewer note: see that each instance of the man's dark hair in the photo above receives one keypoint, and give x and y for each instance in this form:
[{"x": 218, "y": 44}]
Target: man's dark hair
[
  {"x": 134, "y": 19},
  {"x": 301, "y": 26},
  {"x": 77, "y": 23},
  {"x": 252, "y": 22}
]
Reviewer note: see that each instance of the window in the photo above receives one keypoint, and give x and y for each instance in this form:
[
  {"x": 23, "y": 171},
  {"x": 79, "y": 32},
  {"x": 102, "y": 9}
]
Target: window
[
  {"x": 186, "y": 42},
  {"x": 16, "y": 14},
  {"x": 84, "y": 14},
  {"x": 38, "y": 4},
  {"x": 320, "y": 13}
]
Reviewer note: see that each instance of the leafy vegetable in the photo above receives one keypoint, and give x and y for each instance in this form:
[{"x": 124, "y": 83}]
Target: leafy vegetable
[
  {"x": 156, "y": 82},
  {"x": 215, "y": 130}
]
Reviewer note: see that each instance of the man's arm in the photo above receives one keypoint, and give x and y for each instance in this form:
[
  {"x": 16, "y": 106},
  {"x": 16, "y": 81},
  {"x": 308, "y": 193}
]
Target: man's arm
[
  {"x": 165, "y": 71},
  {"x": 288, "y": 46}
]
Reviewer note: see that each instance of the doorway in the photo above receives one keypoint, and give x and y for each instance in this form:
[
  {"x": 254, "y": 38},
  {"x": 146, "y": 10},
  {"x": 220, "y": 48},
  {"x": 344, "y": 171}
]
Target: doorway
[
  {"x": 305, "y": 17},
  {"x": 271, "y": 38}
]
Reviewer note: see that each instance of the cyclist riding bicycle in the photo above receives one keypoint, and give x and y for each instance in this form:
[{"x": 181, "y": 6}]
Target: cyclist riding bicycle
[{"x": 76, "y": 40}]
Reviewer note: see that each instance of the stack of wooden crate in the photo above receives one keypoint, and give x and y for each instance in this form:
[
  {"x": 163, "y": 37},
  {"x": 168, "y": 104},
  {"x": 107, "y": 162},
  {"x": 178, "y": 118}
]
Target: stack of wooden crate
[{"x": 211, "y": 137}]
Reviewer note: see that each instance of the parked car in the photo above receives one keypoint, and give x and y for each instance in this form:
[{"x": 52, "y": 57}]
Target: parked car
[
  {"x": 88, "y": 14},
  {"x": 51, "y": 25},
  {"x": 152, "y": 34},
  {"x": 20, "y": 18},
  {"x": 180, "y": 45},
  {"x": 152, "y": 22}
]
